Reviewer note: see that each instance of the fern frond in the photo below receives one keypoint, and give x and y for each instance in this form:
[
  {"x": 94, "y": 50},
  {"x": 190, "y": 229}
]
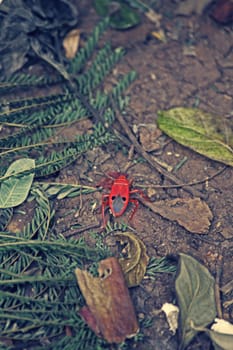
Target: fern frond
[
  {"x": 26, "y": 110},
  {"x": 160, "y": 265},
  {"x": 123, "y": 84},
  {"x": 54, "y": 161},
  {"x": 25, "y": 137},
  {"x": 41, "y": 218},
  {"x": 57, "y": 160},
  {"x": 85, "y": 53},
  {"x": 64, "y": 190},
  {"x": 100, "y": 67},
  {"x": 46, "y": 317},
  {"x": 39, "y": 295},
  {"x": 24, "y": 81},
  {"x": 103, "y": 100},
  {"x": 5, "y": 217}
]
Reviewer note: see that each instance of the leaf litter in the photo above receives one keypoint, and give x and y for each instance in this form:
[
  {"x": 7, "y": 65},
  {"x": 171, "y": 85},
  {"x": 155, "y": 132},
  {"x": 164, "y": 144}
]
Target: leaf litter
[
  {"x": 25, "y": 25},
  {"x": 187, "y": 262}
]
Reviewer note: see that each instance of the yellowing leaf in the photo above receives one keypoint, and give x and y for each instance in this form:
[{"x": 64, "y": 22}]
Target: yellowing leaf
[
  {"x": 71, "y": 43},
  {"x": 159, "y": 34},
  {"x": 207, "y": 134},
  {"x": 196, "y": 300},
  {"x": 135, "y": 261}
]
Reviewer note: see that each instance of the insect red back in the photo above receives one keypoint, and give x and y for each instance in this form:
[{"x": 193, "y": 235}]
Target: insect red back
[{"x": 119, "y": 195}]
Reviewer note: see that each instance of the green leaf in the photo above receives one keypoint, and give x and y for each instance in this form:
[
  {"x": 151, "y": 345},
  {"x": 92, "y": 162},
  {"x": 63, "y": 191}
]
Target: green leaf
[
  {"x": 15, "y": 185},
  {"x": 207, "y": 134},
  {"x": 222, "y": 338},
  {"x": 124, "y": 18},
  {"x": 5, "y": 217},
  {"x": 121, "y": 15},
  {"x": 195, "y": 294},
  {"x": 221, "y": 341},
  {"x": 101, "y": 7}
]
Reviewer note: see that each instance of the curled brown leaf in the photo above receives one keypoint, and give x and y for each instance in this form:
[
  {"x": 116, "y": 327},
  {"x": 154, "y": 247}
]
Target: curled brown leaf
[{"x": 135, "y": 259}]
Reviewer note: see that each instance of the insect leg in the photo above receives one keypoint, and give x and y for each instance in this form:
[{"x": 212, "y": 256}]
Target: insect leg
[
  {"x": 105, "y": 204},
  {"x": 141, "y": 193},
  {"x": 136, "y": 204}
]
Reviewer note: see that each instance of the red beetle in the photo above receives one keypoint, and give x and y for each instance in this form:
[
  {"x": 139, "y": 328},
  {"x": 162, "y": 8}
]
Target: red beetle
[{"x": 119, "y": 197}]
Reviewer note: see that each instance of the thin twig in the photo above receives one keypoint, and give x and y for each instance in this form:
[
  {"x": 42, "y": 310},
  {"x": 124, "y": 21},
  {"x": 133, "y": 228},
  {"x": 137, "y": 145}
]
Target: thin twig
[
  {"x": 149, "y": 159},
  {"x": 216, "y": 286},
  {"x": 81, "y": 229},
  {"x": 185, "y": 184}
]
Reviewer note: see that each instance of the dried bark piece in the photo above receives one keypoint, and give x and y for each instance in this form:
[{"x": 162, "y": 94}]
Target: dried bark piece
[
  {"x": 109, "y": 311},
  {"x": 191, "y": 213},
  {"x": 135, "y": 259}
]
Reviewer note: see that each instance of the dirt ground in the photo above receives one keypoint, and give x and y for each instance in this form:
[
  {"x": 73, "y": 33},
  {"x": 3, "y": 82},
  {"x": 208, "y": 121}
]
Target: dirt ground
[{"x": 193, "y": 66}]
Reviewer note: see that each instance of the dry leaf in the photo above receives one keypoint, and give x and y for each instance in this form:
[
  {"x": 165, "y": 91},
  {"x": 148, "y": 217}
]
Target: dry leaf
[
  {"x": 109, "y": 311},
  {"x": 71, "y": 43},
  {"x": 154, "y": 17},
  {"x": 159, "y": 35},
  {"x": 172, "y": 312},
  {"x": 15, "y": 226},
  {"x": 135, "y": 259},
  {"x": 191, "y": 213},
  {"x": 222, "y": 326}
]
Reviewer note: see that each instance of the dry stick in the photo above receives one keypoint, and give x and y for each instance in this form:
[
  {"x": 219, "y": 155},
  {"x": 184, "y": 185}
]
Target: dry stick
[{"x": 151, "y": 161}]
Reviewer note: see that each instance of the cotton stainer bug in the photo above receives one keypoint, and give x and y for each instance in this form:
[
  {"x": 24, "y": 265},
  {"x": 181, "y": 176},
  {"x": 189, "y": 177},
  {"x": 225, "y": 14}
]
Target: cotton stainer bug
[{"x": 120, "y": 195}]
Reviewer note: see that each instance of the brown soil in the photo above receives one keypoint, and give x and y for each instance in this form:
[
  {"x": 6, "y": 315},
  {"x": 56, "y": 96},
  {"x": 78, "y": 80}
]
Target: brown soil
[{"x": 192, "y": 67}]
